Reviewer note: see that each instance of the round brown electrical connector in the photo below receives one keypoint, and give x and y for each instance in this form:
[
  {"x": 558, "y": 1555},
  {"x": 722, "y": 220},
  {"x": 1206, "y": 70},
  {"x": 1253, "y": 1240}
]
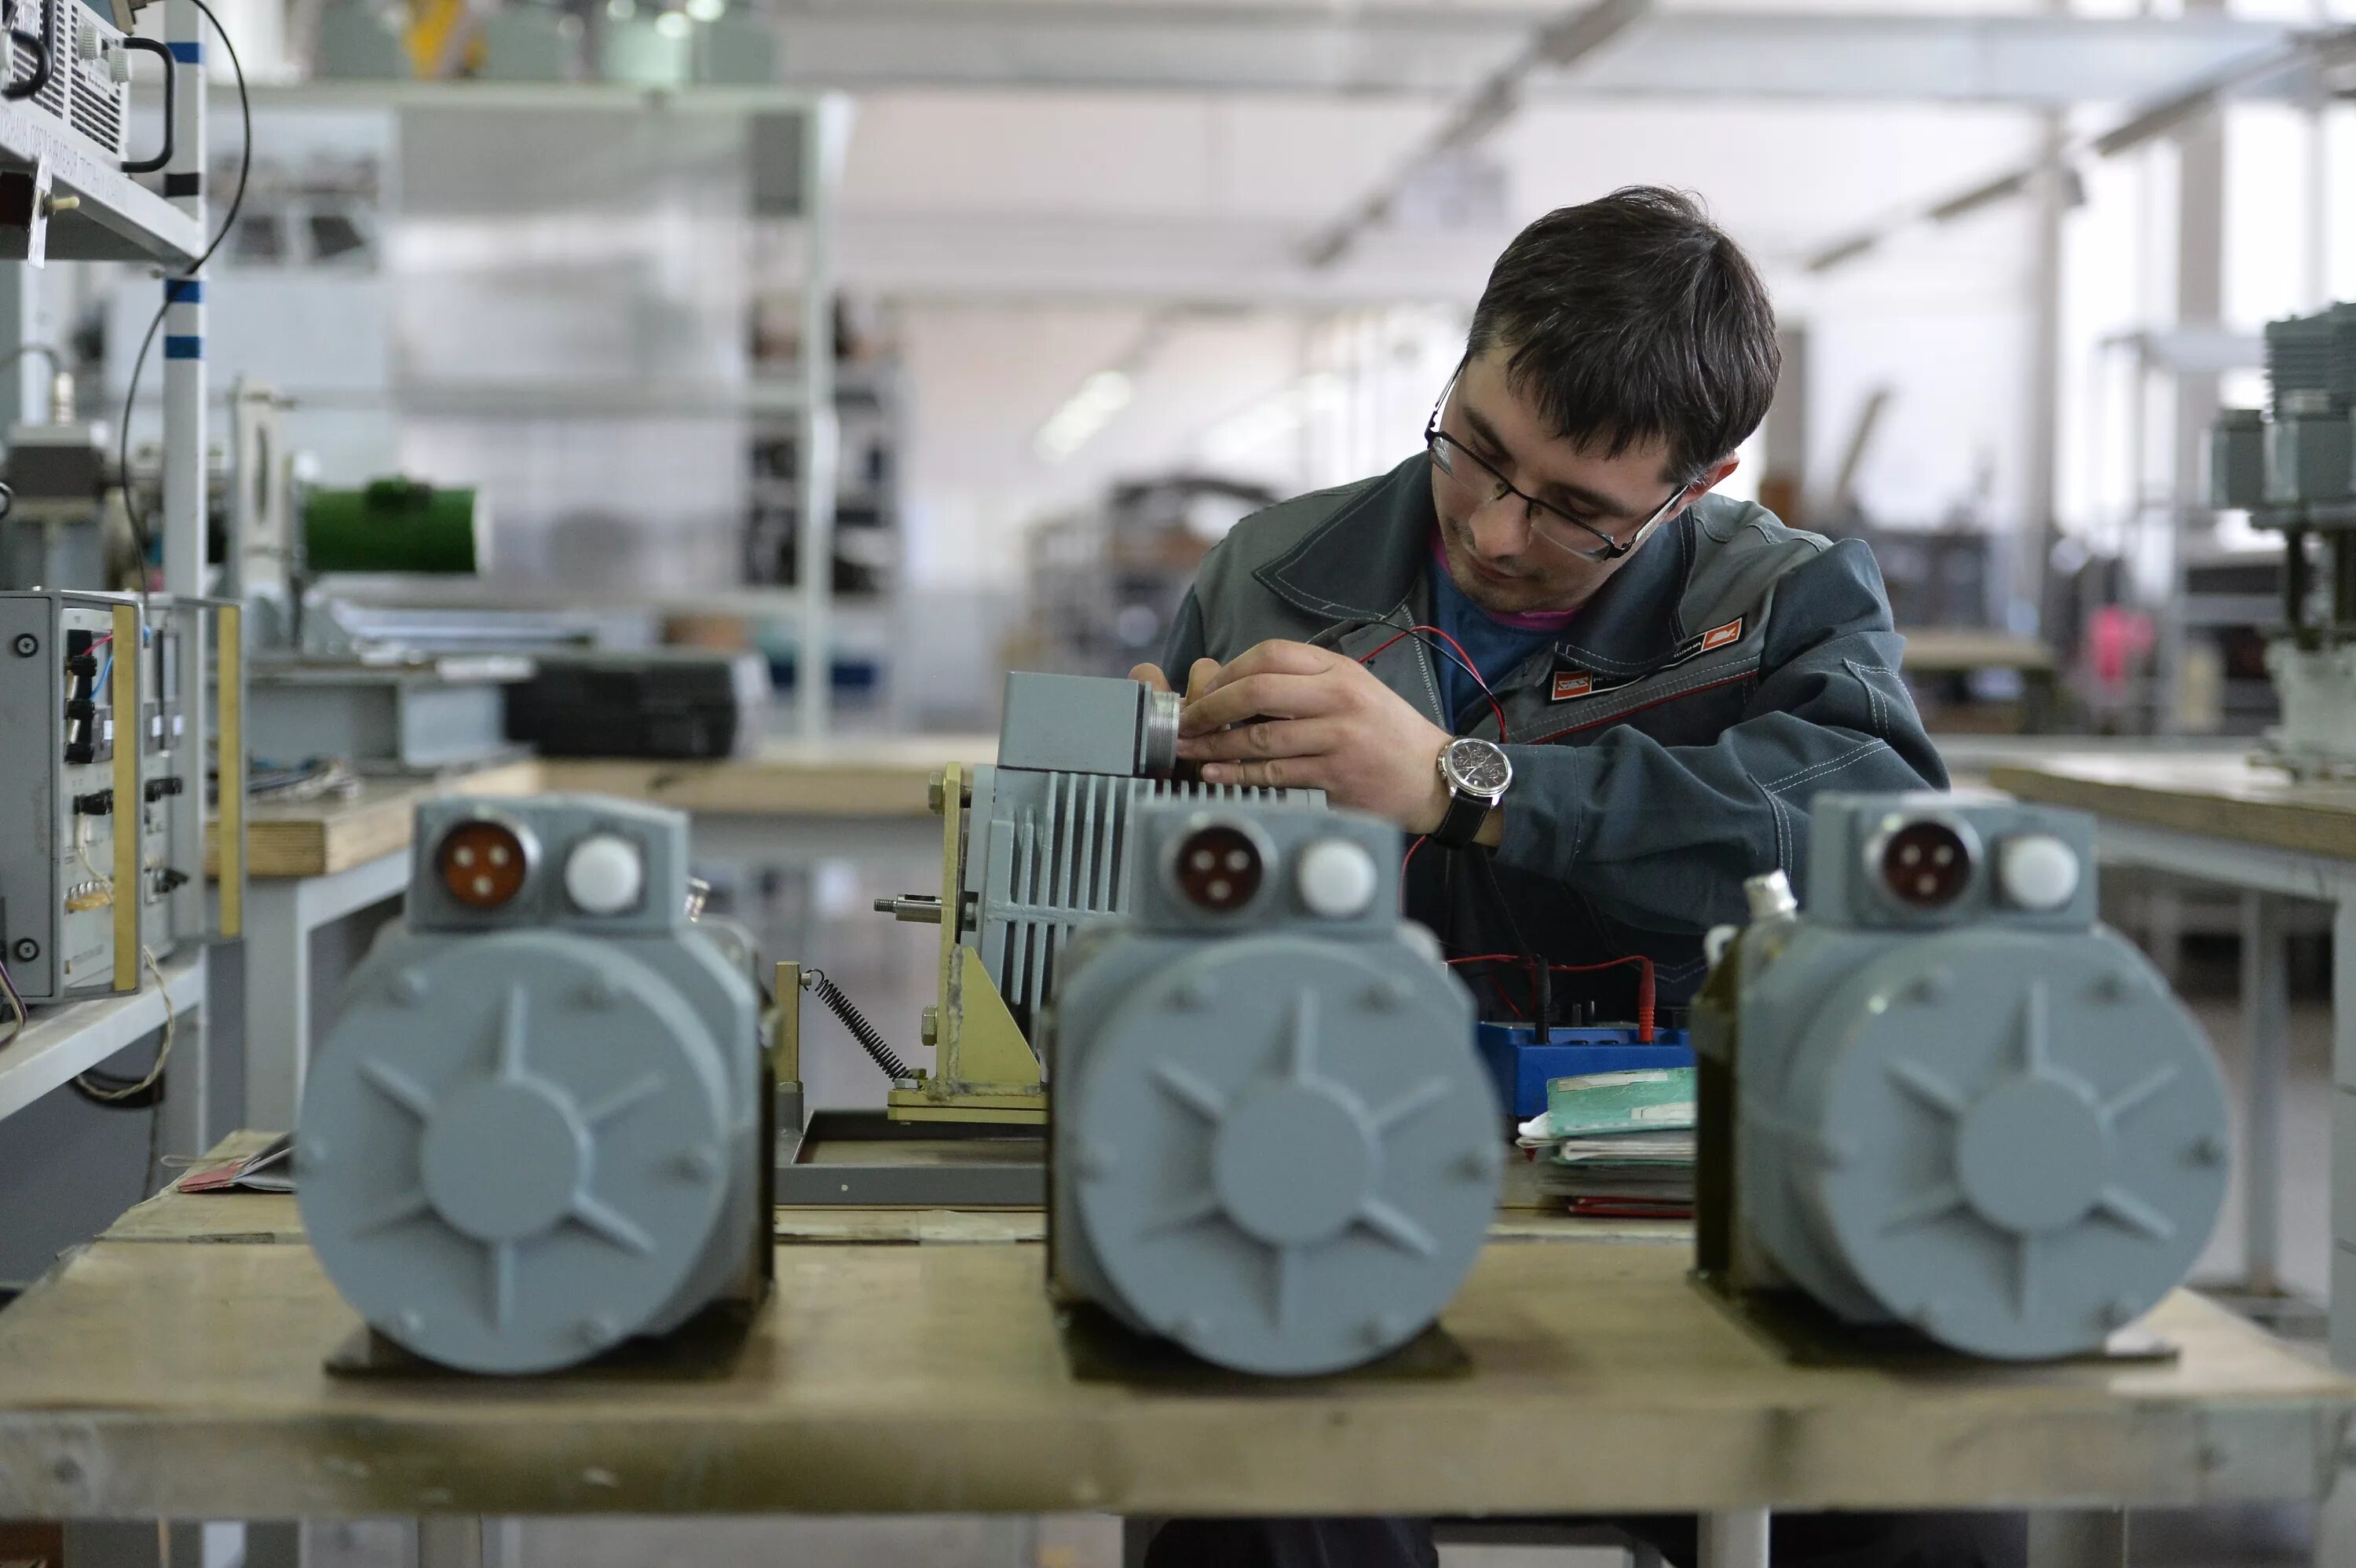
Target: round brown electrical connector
[
  {"x": 1926, "y": 864},
  {"x": 482, "y": 863},
  {"x": 1219, "y": 869}
]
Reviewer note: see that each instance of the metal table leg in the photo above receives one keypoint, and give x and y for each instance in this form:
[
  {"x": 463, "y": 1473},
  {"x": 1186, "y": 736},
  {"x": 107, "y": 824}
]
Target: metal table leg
[
  {"x": 450, "y": 1541},
  {"x": 2265, "y": 1033},
  {"x": 1734, "y": 1540},
  {"x": 2343, "y": 1132},
  {"x": 2090, "y": 1538},
  {"x": 280, "y": 914},
  {"x": 277, "y": 1001}
]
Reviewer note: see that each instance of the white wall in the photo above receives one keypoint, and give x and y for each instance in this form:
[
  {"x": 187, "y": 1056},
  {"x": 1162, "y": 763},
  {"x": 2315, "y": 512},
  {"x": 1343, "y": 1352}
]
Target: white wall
[
  {"x": 983, "y": 378},
  {"x": 1034, "y": 240}
]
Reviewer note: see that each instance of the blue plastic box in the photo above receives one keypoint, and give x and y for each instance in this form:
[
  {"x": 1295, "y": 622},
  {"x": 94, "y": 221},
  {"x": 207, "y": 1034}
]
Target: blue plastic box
[{"x": 1520, "y": 1067}]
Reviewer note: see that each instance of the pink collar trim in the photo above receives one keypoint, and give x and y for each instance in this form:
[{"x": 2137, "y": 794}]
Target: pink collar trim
[{"x": 1519, "y": 620}]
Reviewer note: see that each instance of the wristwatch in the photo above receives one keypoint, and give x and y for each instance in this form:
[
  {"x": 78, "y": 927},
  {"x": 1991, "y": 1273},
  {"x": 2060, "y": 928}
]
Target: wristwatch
[{"x": 1476, "y": 772}]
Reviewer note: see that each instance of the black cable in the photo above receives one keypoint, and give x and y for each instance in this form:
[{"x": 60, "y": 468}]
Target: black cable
[
  {"x": 37, "y": 42},
  {"x": 112, "y": 1094},
  {"x": 870, "y": 1040},
  {"x": 1541, "y": 978},
  {"x": 1441, "y": 646},
  {"x": 131, "y": 389},
  {"x": 94, "y": 1086}
]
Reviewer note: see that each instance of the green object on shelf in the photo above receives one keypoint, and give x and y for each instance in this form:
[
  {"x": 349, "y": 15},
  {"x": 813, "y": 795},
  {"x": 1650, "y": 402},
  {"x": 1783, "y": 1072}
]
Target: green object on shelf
[
  {"x": 1653, "y": 1099},
  {"x": 394, "y": 525}
]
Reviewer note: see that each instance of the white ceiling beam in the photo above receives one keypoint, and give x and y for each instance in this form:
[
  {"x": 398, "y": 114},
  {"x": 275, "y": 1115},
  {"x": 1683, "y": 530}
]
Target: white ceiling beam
[
  {"x": 1433, "y": 51},
  {"x": 2287, "y": 69},
  {"x": 1562, "y": 44}
]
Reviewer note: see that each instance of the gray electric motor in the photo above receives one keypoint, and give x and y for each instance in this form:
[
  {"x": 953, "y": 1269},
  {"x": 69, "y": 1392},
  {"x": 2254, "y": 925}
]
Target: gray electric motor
[
  {"x": 1274, "y": 1142},
  {"x": 1962, "y": 1103},
  {"x": 534, "y": 1130},
  {"x": 1047, "y": 830}
]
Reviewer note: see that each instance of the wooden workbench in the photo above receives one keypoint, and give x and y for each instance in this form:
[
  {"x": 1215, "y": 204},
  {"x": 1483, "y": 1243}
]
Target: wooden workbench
[
  {"x": 271, "y": 1217},
  {"x": 856, "y": 777},
  {"x": 2215, "y": 796},
  {"x": 321, "y": 837},
  {"x": 174, "y": 1368},
  {"x": 845, "y": 776}
]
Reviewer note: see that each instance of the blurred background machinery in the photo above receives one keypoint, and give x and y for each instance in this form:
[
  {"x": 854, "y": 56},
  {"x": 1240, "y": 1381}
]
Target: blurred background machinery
[
  {"x": 2293, "y": 466},
  {"x": 1274, "y": 1142},
  {"x": 537, "y": 1129},
  {"x": 1945, "y": 1097},
  {"x": 1105, "y": 582}
]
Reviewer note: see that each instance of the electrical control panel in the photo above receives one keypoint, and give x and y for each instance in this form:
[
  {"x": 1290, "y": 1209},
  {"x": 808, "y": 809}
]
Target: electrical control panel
[
  {"x": 537, "y": 1128},
  {"x": 191, "y": 739},
  {"x": 89, "y": 85},
  {"x": 1273, "y": 1140},
  {"x": 1943, "y": 1096},
  {"x": 71, "y": 782}
]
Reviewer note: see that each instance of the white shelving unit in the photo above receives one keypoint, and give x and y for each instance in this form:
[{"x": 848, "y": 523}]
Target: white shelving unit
[
  {"x": 116, "y": 219},
  {"x": 805, "y": 398},
  {"x": 67, "y": 1041}
]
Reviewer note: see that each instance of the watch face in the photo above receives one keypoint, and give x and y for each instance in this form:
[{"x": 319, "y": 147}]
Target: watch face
[{"x": 1478, "y": 767}]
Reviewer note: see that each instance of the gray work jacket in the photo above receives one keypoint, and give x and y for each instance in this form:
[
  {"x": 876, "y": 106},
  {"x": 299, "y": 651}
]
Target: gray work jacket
[{"x": 1666, "y": 748}]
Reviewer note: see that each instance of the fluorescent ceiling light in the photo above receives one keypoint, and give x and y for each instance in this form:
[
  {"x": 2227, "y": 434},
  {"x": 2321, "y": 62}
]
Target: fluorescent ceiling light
[
  {"x": 1270, "y": 420},
  {"x": 1085, "y": 412}
]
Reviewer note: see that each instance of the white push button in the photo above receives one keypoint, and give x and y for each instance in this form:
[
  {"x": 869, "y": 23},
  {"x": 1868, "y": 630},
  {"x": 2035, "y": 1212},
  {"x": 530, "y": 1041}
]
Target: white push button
[
  {"x": 605, "y": 874},
  {"x": 2038, "y": 872},
  {"x": 1336, "y": 878}
]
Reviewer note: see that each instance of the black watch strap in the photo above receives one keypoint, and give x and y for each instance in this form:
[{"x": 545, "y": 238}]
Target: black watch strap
[{"x": 1466, "y": 813}]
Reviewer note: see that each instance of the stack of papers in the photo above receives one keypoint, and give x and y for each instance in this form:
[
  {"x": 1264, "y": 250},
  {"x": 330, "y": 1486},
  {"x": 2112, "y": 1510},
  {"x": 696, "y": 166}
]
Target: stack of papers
[{"x": 1617, "y": 1142}]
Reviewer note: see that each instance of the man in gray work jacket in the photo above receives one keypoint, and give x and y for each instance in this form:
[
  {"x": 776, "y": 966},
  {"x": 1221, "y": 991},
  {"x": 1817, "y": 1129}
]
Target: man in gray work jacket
[{"x": 1600, "y": 695}]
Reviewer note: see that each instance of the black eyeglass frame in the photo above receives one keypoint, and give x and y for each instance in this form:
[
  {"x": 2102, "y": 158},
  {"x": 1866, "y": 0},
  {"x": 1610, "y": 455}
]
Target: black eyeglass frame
[{"x": 1433, "y": 437}]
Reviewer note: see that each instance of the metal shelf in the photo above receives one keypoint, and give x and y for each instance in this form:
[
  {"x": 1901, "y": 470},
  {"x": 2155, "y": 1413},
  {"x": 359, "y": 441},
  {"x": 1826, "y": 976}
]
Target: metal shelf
[
  {"x": 531, "y": 97},
  {"x": 492, "y": 594},
  {"x": 119, "y": 219},
  {"x": 588, "y": 400},
  {"x": 2261, "y": 609},
  {"x": 69, "y": 1039}
]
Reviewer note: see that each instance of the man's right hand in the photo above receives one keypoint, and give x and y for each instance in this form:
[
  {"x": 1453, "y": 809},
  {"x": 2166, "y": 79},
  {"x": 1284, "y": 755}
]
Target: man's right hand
[{"x": 1196, "y": 679}]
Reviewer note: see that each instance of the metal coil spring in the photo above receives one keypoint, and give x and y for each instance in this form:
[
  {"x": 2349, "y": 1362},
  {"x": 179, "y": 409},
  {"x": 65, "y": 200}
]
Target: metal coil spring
[{"x": 856, "y": 1022}]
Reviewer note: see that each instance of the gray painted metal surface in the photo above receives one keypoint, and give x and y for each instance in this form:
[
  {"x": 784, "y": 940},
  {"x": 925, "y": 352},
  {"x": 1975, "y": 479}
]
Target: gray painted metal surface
[
  {"x": 1274, "y": 1143},
  {"x": 1962, "y": 1103},
  {"x": 1008, "y": 1170},
  {"x": 535, "y": 1130},
  {"x": 53, "y": 855},
  {"x": 411, "y": 717},
  {"x": 1047, "y": 836}
]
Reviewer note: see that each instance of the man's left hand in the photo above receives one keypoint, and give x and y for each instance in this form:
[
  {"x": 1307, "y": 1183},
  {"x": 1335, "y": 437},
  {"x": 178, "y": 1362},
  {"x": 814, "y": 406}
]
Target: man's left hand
[{"x": 1291, "y": 716}]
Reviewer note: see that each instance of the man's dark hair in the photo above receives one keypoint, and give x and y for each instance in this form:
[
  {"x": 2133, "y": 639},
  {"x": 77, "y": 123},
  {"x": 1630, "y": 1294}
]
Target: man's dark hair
[{"x": 1634, "y": 317}]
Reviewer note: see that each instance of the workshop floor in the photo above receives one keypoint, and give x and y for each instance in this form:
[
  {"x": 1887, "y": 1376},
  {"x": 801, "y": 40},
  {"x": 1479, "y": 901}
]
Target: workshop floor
[{"x": 887, "y": 968}]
